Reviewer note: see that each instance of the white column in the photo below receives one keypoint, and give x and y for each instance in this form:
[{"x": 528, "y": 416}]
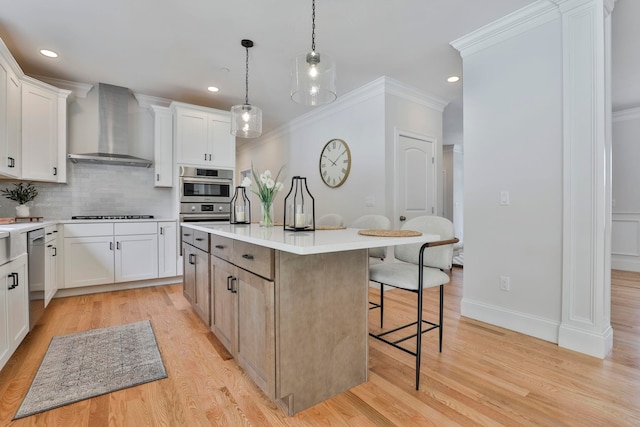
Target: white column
[{"x": 586, "y": 278}]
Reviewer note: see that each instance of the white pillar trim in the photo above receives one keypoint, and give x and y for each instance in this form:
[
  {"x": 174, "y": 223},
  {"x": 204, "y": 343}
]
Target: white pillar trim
[{"x": 586, "y": 320}]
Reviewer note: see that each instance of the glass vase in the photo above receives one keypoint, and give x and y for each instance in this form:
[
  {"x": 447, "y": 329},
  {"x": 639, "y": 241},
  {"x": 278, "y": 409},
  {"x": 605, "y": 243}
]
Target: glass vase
[{"x": 266, "y": 214}]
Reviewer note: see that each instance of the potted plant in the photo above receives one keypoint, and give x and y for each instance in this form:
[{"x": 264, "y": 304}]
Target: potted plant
[{"x": 21, "y": 193}]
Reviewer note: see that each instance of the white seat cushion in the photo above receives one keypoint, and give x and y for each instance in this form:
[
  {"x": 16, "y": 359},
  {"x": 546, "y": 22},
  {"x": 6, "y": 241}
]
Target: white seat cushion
[{"x": 405, "y": 275}]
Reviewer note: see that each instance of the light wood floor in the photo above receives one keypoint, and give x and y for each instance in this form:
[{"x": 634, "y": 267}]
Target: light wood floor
[{"x": 485, "y": 375}]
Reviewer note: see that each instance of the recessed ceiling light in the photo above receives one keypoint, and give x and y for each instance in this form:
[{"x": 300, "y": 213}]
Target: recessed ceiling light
[
  {"x": 453, "y": 79},
  {"x": 48, "y": 53},
  {"x": 212, "y": 89}
]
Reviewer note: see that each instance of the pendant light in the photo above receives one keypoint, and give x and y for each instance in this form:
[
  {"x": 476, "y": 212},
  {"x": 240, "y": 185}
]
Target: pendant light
[
  {"x": 313, "y": 75},
  {"x": 246, "y": 119}
]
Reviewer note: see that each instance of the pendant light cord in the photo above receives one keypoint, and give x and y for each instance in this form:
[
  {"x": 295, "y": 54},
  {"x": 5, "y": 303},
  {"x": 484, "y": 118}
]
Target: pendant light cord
[
  {"x": 313, "y": 25},
  {"x": 246, "y": 80}
]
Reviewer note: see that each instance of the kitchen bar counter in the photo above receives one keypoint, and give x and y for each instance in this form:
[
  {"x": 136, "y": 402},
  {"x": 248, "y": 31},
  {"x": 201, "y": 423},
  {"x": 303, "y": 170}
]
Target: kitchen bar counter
[
  {"x": 304, "y": 242},
  {"x": 299, "y": 304}
]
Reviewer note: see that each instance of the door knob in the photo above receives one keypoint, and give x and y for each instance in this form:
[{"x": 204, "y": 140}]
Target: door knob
[{"x": 403, "y": 218}]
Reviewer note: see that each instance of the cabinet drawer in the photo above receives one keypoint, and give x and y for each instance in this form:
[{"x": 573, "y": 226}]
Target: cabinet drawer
[
  {"x": 254, "y": 258},
  {"x": 131, "y": 228},
  {"x": 88, "y": 230},
  {"x": 187, "y": 235},
  {"x": 201, "y": 240},
  {"x": 50, "y": 233},
  {"x": 221, "y": 247}
]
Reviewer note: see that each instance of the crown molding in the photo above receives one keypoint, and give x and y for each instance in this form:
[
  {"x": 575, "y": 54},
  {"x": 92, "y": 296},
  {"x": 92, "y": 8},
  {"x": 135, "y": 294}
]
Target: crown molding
[
  {"x": 624, "y": 115},
  {"x": 147, "y": 101},
  {"x": 78, "y": 90},
  {"x": 6, "y": 54},
  {"x": 515, "y": 23},
  {"x": 380, "y": 86}
]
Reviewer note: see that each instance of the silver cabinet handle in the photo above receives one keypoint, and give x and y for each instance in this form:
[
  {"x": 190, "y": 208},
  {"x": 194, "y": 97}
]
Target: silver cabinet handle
[
  {"x": 247, "y": 256},
  {"x": 191, "y": 259},
  {"x": 110, "y": 246}
]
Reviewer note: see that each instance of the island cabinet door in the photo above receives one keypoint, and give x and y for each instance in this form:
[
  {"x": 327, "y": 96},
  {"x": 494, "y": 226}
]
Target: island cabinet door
[
  {"x": 223, "y": 298},
  {"x": 202, "y": 298},
  {"x": 189, "y": 277},
  {"x": 255, "y": 347}
]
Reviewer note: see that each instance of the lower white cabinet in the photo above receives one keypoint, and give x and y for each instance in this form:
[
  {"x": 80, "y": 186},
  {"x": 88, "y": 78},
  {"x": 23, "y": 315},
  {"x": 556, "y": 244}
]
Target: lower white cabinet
[
  {"x": 167, "y": 249},
  {"x": 50, "y": 263},
  {"x": 103, "y": 253},
  {"x": 14, "y": 306}
]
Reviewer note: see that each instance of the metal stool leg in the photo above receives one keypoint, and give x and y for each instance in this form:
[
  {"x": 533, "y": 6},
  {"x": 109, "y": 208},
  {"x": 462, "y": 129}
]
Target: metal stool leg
[
  {"x": 381, "y": 304},
  {"x": 441, "y": 307}
]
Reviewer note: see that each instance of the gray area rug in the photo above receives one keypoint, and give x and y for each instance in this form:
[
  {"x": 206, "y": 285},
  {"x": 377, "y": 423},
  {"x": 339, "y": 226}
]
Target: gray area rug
[{"x": 88, "y": 364}]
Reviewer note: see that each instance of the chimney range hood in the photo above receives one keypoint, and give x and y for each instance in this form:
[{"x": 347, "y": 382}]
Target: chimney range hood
[{"x": 113, "y": 125}]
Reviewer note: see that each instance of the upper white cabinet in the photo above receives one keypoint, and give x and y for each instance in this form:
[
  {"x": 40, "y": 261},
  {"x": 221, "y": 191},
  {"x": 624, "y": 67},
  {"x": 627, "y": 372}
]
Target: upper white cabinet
[
  {"x": 163, "y": 145},
  {"x": 203, "y": 137},
  {"x": 10, "y": 115},
  {"x": 44, "y": 131}
]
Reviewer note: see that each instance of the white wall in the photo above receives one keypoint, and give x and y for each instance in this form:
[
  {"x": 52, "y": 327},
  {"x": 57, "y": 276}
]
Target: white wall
[
  {"x": 625, "y": 239},
  {"x": 513, "y": 143},
  {"x": 362, "y": 119}
]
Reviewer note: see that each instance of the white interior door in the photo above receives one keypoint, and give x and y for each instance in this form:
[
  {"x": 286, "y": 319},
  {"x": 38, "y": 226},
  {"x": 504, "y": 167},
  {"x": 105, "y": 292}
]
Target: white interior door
[{"x": 415, "y": 178}]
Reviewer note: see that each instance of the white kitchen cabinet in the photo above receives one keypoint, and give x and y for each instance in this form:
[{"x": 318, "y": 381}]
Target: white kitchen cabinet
[
  {"x": 10, "y": 116},
  {"x": 203, "y": 137},
  {"x": 88, "y": 261},
  {"x": 14, "y": 306},
  {"x": 163, "y": 146},
  {"x": 167, "y": 249},
  {"x": 136, "y": 255},
  {"x": 103, "y": 253},
  {"x": 44, "y": 131},
  {"x": 50, "y": 263}
]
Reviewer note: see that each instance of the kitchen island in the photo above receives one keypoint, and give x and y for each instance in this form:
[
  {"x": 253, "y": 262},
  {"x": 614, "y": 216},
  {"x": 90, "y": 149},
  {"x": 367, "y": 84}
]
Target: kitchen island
[{"x": 291, "y": 307}]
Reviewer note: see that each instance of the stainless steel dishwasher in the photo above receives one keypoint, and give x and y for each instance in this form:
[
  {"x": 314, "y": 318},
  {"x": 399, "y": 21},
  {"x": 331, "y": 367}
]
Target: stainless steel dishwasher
[{"x": 35, "y": 251}]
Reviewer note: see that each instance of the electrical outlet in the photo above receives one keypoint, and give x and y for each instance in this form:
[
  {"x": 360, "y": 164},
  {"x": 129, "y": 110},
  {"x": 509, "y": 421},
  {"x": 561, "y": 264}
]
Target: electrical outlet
[
  {"x": 504, "y": 198},
  {"x": 505, "y": 283}
]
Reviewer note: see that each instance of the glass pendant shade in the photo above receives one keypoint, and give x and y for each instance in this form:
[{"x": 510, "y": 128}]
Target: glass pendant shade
[
  {"x": 299, "y": 207},
  {"x": 246, "y": 121},
  {"x": 313, "y": 79}
]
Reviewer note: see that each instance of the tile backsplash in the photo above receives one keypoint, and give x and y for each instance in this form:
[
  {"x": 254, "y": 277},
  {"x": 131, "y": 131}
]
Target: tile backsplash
[{"x": 98, "y": 190}]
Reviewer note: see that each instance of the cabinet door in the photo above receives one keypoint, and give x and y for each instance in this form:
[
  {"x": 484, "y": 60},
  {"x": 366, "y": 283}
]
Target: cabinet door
[
  {"x": 202, "y": 290},
  {"x": 88, "y": 261},
  {"x": 10, "y": 118},
  {"x": 255, "y": 347},
  {"x": 136, "y": 257},
  {"x": 50, "y": 270},
  {"x": 192, "y": 137},
  {"x": 17, "y": 301},
  {"x": 163, "y": 146},
  {"x": 167, "y": 249},
  {"x": 4, "y": 316},
  {"x": 223, "y": 311},
  {"x": 39, "y": 133},
  {"x": 223, "y": 144},
  {"x": 189, "y": 275}
]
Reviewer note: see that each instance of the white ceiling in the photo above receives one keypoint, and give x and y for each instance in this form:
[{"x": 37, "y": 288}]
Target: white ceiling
[{"x": 175, "y": 49}]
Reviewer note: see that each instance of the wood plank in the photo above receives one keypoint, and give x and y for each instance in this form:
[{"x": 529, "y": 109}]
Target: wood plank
[{"x": 485, "y": 375}]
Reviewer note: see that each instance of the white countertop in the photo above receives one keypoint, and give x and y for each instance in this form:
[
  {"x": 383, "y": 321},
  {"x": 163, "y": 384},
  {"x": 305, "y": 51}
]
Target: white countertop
[
  {"x": 24, "y": 227},
  {"x": 305, "y": 242}
]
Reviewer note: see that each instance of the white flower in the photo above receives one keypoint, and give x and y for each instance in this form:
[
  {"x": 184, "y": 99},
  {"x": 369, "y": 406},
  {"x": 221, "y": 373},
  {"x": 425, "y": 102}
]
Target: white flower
[
  {"x": 279, "y": 186},
  {"x": 270, "y": 183},
  {"x": 246, "y": 182}
]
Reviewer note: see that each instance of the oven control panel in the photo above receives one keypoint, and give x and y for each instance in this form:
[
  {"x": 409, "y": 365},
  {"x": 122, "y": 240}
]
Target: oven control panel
[{"x": 212, "y": 208}]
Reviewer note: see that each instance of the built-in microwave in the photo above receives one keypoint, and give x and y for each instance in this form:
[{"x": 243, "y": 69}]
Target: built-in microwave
[
  {"x": 205, "y": 185},
  {"x": 205, "y": 194}
]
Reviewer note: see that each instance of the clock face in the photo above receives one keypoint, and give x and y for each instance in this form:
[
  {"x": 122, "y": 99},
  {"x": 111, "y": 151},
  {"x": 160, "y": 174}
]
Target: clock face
[{"x": 335, "y": 163}]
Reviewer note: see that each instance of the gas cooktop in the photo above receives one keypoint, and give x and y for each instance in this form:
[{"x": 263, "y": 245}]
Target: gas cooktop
[{"x": 112, "y": 217}]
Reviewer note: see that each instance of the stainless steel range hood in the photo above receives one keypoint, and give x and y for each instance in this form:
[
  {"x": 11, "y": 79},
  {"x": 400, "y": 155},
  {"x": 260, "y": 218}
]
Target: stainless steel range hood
[{"x": 113, "y": 125}]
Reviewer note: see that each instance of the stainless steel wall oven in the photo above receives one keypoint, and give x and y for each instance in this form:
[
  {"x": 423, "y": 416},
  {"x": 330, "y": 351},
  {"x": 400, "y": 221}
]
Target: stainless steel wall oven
[{"x": 205, "y": 194}]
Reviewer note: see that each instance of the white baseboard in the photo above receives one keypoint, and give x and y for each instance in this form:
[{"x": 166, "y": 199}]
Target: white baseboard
[
  {"x": 513, "y": 320},
  {"x": 625, "y": 263},
  {"x": 86, "y": 290},
  {"x": 586, "y": 342}
]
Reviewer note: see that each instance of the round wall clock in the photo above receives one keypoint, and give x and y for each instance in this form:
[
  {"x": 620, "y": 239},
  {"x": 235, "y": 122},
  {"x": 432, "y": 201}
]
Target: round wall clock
[{"x": 335, "y": 163}]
